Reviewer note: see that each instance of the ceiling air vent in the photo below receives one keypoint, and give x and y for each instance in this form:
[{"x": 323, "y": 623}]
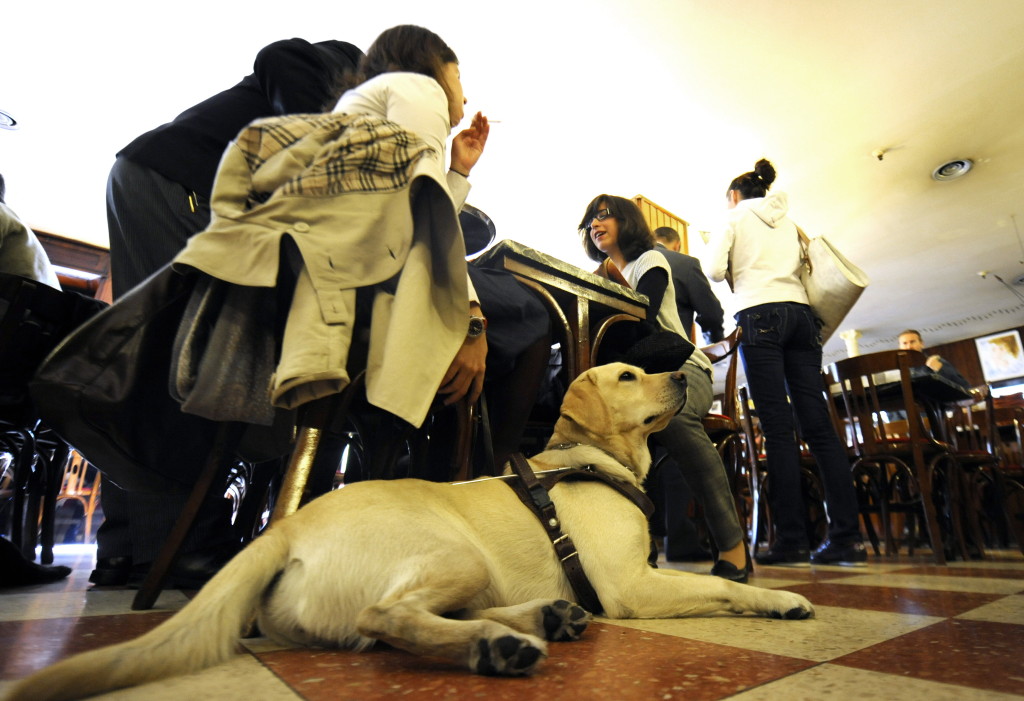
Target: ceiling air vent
[{"x": 952, "y": 170}]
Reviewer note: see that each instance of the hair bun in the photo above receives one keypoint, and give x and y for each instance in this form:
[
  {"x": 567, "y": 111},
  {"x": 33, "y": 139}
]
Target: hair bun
[{"x": 765, "y": 172}]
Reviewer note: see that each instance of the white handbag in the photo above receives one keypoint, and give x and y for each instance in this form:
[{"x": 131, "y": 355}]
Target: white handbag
[{"x": 832, "y": 282}]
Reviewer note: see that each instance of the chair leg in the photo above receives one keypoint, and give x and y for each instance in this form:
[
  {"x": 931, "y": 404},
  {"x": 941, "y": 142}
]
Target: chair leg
[
  {"x": 318, "y": 416},
  {"x": 971, "y": 503},
  {"x": 220, "y": 458},
  {"x": 24, "y": 475},
  {"x": 1015, "y": 527},
  {"x": 53, "y": 476},
  {"x": 931, "y": 519}
]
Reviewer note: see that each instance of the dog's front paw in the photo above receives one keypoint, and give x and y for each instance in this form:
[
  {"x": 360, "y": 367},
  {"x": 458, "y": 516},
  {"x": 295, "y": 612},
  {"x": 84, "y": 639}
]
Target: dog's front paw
[
  {"x": 564, "y": 621},
  {"x": 791, "y": 607},
  {"x": 507, "y": 656}
]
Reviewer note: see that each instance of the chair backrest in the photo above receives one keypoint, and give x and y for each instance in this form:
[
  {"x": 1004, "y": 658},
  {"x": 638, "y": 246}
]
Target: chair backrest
[
  {"x": 971, "y": 424},
  {"x": 719, "y": 352},
  {"x": 867, "y": 394}
]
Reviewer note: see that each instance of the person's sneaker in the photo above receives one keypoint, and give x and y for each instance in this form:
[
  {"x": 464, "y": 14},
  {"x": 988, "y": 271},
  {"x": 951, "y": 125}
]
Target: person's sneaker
[
  {"x": 784, "y": 557},
  {"x": 848, "y": 554}
]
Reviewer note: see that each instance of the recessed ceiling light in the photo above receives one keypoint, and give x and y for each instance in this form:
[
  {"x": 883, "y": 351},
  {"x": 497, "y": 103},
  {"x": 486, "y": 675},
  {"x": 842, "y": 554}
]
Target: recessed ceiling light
[
  {"x": 952, "y": 170},
  {"x": 7, "y": 121}
]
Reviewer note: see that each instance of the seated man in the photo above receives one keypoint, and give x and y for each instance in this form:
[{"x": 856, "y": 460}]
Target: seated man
[
  {"x": 911, "y": 340},
  {"x": 693, "y": 291}
]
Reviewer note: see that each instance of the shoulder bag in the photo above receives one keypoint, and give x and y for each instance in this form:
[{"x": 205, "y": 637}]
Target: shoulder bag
[{"x": 833, "y": 283}]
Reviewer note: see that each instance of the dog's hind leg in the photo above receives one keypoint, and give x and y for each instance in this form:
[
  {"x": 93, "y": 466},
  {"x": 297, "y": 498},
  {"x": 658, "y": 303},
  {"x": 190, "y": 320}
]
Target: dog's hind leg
[
  {"x": 556, "y": 620},
  {"x": 410, "y": 617}
]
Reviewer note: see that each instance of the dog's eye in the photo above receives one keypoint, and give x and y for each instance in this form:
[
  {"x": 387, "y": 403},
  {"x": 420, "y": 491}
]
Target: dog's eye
[{"x": 627, "y": 376}]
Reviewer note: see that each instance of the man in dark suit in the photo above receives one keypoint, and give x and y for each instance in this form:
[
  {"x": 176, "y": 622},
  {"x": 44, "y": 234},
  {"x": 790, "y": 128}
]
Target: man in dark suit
[
  {"x": 158, "y": 195},
  {"x": 911, "y": 340},
  {"x": 693, "y": 291}
]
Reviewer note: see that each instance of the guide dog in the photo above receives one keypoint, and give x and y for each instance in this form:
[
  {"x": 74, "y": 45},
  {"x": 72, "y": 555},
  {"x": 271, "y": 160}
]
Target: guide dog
[{"x": 460, "y": 571}]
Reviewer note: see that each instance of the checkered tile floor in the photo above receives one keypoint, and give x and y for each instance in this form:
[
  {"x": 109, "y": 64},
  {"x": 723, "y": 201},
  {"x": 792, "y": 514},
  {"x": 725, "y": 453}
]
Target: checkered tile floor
[{"x": 897, "y": 629}]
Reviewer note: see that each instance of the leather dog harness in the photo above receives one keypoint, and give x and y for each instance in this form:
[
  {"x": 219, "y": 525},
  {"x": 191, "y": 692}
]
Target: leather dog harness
[{"x": 533, "y": 492}]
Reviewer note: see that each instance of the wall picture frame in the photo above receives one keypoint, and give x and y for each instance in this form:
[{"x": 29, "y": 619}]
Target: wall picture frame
[{"x": 1001, "y": 356}]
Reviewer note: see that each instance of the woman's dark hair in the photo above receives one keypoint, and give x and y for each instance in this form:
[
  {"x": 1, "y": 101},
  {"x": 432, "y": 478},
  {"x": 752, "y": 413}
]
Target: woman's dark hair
[
  {"x": 756, "y": 182},
  {"x": 405, "y": 48},
  {"x": 635, "y": 235}
]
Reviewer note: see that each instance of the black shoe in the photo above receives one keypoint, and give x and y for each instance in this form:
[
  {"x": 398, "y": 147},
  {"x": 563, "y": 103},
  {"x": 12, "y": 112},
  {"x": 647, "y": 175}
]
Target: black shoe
[
  {"x": 191, "y": 571},
  {"x": 18, "y": 571},
  {"x": 784, "y": 557},
  {"x": 850, "y": 554},
  {"x": 111, "y": 571},
  {"x": 727, "y": 570}
]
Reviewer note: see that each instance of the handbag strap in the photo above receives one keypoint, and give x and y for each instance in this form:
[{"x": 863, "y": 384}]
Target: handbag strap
[
  {"x": 805, "y": 242},
  {"x": 535, "y": 496}
]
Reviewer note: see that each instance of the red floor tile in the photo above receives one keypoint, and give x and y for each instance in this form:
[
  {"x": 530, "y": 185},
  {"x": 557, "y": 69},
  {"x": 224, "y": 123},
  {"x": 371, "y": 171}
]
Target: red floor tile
[
  {"x": 893, "y": 599},
  {"x": 954, "y": 571},
  {"x": 977, "y": 654},
  {"x": 32, "y": 645},
  {"x": 609, "y": 662}
]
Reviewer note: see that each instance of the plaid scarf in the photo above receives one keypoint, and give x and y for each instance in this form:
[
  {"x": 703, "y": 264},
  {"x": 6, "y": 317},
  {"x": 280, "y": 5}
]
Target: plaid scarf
[{"x": 352, "y": 153}]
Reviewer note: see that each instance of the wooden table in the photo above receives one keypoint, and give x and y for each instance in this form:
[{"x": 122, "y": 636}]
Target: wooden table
[{"x": 580, "y": 301}]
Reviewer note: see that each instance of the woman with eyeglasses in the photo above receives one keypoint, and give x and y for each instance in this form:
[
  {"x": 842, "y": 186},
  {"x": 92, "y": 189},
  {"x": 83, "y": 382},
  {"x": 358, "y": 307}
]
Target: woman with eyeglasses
[
  {"x": 781, "y": 351},
  {"x": 615, "y": 234}
]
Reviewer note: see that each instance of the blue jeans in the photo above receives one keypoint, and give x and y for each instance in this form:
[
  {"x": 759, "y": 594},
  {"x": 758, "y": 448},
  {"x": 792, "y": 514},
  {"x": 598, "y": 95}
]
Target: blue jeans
[{"x": 781, "y": 351}]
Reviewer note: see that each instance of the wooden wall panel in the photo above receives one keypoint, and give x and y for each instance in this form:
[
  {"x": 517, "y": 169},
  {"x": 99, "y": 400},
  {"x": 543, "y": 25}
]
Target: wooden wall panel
[
  {"x": 659, "y": 216},
  {"x": 964, "y": 355},
  {"x": 78, "y": 255}
]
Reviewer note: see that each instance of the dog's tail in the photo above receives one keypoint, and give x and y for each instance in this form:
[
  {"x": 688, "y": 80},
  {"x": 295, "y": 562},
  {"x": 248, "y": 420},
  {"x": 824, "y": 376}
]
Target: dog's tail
[{"x": 203, "y": 634}]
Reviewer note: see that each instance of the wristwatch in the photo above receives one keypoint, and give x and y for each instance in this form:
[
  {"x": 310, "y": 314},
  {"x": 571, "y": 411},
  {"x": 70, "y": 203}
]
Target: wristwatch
[{"x": 477, "y": 326}]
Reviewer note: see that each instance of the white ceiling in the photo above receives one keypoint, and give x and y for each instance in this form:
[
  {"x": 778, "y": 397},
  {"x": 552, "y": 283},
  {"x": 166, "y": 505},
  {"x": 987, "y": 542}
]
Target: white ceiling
[{"x": 670, "y": 99}]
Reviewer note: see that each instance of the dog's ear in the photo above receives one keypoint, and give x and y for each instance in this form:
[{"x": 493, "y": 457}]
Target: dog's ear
[{"x": 583, "y": 406}]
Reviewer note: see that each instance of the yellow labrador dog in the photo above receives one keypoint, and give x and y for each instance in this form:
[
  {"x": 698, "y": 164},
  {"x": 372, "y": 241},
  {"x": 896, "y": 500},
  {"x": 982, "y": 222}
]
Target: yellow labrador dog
[{"x": 459, "y": 571}]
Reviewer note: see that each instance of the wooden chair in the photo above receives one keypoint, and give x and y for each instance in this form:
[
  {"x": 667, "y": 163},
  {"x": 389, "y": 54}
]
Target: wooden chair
[
  {"x": 754, "y": 496},
  {"x": 974, "y": 436},
  {"x": 1010, "y": 427},
  {"x": 725, "y": 429},
  {"x": 895, "y": 474},
  {"x": 81, "y": 484}
]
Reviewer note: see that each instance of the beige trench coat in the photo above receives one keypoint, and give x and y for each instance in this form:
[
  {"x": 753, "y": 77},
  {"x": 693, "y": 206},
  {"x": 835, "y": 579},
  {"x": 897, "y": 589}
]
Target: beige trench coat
[{"x": 364, "y": 201}]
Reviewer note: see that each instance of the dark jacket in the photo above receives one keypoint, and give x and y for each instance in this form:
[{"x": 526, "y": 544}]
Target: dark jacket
[
  {"x": 694, "y": 295},
  {"x": 289, "y": 76}
]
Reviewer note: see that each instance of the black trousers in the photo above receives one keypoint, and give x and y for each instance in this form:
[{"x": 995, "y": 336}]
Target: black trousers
[{"x": 150, "y": 218}]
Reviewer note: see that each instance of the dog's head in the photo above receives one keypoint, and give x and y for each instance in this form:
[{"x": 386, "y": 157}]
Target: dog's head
[{"x": 615, "y": 407}]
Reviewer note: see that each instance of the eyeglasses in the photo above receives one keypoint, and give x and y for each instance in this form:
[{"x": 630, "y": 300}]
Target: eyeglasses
[{"x": 599, "y": 215}]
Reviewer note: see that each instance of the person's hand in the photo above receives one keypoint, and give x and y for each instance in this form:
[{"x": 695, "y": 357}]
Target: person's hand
[
  {"x": 469, "y": 143},
  {"x": 465, "y": 375},
  {"x": 934, "y": 362}
]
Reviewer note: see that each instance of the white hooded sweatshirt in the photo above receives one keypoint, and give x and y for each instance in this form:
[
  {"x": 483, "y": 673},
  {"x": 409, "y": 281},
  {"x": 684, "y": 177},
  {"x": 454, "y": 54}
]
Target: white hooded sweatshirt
[{"x": 764, "y": 247}]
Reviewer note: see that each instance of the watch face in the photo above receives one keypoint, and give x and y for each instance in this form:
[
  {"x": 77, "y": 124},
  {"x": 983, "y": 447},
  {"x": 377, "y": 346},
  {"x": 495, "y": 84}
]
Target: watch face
[{"x": 476, "y": 327}]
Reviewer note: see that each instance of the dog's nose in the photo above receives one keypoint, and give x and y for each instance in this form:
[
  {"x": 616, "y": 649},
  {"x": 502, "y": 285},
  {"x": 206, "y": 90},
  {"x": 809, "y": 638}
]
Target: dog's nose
[{"x": 679, "y": 376}]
